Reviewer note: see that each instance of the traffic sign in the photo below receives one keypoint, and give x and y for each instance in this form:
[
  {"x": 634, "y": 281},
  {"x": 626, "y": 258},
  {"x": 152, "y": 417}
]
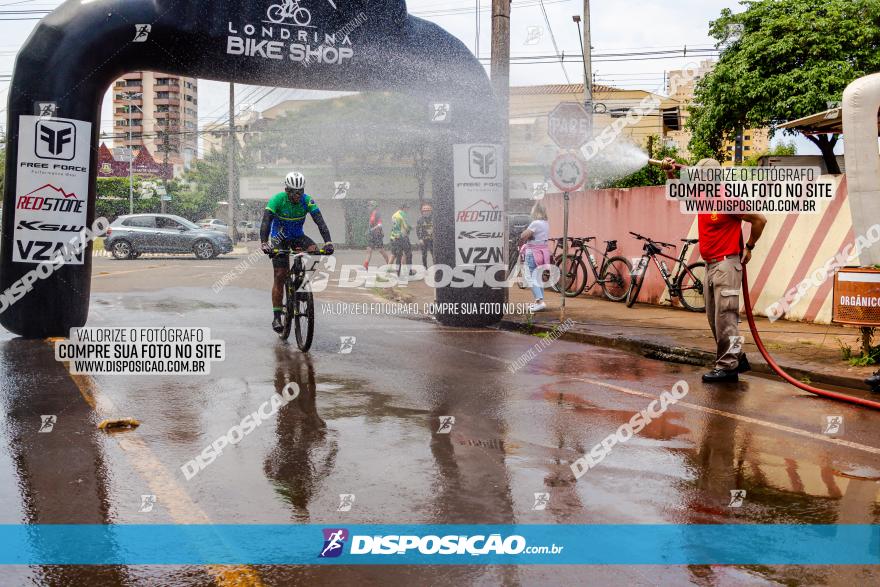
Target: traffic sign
[
  {"x": 569, "y": 125},
  {"x": 568, "y": 172}
]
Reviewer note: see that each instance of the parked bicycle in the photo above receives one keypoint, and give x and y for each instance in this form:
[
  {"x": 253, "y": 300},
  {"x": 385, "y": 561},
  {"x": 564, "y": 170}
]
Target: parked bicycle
[
  {"x": 686, "y": 282},
  {"x": 298, "y": 309},
  {"x": 613, "y": 274}
]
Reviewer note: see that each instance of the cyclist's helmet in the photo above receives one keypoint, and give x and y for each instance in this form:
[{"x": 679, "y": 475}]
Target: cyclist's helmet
[{"x": 295, "y": 181}]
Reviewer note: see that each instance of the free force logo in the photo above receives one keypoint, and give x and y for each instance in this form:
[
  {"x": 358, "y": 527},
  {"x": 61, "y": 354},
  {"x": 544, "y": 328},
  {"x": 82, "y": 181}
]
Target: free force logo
[
  {"x": 334, "y": 542},
  {"x": 483, "y": 162},
  {"x": 55, "y": 139}
]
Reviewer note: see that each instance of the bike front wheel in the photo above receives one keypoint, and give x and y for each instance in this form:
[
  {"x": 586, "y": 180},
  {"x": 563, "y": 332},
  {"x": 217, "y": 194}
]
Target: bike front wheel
[
  {"x": 691, "y": 286},
  {"x": 616, "y": 278},
  {"x": 636, "y": 287},
  {"x": 304, "y": 319}
]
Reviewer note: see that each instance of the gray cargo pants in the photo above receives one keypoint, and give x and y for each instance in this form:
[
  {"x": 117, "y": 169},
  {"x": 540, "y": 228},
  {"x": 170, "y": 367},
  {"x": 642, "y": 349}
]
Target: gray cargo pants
[{"x": 723, "y": 285}]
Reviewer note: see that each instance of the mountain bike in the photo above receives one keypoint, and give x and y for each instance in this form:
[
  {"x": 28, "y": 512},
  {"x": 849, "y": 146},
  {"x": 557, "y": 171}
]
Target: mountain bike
[
  {"x": 614, "y": 273},
  {"x": 298, "y": 308},
  {"x": 278, "y": 13},
  {"x": 687, "y": 281}
]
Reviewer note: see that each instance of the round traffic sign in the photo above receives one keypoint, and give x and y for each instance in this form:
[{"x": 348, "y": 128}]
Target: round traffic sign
[{"x": 568, "y": 172}]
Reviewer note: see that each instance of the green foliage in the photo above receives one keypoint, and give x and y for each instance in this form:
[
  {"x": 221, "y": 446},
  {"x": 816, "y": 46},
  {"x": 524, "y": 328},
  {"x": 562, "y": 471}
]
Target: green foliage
[
  {"x": 371, "y": 127},
  {"x": 780, "y": 150},
  {"x": 867, "y": 355},
  {"x": 649, "y": 174},
  {"x": 781, "y": 60}
]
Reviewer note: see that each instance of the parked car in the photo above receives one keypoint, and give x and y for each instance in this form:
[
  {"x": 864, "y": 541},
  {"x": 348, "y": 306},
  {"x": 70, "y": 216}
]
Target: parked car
[
  {"x": 248, "y": 230},
  {"x": 130, "y": 236},
  {"x": 214, "y": 224}
]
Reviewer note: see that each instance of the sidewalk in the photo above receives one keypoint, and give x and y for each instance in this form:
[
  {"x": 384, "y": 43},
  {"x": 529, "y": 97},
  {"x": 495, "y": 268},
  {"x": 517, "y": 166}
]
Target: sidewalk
[{"x": 809, "y": 352}]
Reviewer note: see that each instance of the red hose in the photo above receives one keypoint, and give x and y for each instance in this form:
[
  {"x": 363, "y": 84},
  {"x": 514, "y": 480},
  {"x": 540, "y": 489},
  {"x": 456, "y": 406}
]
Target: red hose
[{"x": 815, "y": 390}]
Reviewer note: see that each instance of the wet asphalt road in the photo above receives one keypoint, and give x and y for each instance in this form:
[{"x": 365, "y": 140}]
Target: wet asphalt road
[{"x": 365, "y": 423}]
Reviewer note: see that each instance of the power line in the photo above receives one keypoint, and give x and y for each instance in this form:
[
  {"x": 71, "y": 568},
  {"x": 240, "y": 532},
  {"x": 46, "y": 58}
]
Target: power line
[{"x": 555, "y": 46}]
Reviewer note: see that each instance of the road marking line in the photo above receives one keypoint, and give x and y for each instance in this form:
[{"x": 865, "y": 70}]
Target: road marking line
[
  {"x": 181, "y": 508},
  {"x": 704, "y": 409},
  {"x": 108, "y": 274}
]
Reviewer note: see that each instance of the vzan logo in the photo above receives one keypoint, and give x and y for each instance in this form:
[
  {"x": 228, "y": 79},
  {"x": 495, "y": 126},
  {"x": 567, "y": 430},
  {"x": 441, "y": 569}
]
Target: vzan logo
[{"x": 55, "y": 140}]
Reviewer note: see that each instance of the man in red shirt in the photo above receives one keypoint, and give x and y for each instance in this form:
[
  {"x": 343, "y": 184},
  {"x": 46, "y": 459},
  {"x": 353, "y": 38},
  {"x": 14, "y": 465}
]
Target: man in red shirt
[{"x": 721, "y": 246}]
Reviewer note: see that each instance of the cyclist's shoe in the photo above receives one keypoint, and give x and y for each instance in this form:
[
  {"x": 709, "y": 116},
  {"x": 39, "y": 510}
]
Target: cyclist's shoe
[
  {"x": 277, "y": 324},
  {"x": 720, "y": 376},
  {"x": 537, "y": 307},
  {"x": 744, "y": 366}
]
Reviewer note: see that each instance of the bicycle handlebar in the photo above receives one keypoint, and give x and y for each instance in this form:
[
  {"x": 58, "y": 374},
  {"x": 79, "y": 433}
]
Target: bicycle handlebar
[
  {"x": 301, "y": 252},
  {"x": 652, "y": 241}
]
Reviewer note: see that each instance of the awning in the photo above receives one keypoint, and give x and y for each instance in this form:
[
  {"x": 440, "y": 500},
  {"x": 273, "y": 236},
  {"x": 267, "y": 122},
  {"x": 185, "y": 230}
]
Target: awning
[{"x": 829, "y": 121}]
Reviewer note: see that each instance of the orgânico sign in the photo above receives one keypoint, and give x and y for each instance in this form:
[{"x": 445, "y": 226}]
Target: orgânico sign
[{"x": 569, "y": 125}]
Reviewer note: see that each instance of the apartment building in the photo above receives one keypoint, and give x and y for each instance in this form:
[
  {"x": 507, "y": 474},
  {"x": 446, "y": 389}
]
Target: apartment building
[{"x": 160, "y": 111}]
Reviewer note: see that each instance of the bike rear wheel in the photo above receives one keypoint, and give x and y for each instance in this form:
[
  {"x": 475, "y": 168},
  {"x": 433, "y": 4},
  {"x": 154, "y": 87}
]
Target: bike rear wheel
[
  {"x": 304, "y": 319},
  {"x": 616, "y": 278},
  {"x": 691, "y": 285},
  {"x": 636, "y": 288}
]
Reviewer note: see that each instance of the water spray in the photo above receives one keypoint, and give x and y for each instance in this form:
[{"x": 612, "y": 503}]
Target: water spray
[{"x": 763, "y": 350}]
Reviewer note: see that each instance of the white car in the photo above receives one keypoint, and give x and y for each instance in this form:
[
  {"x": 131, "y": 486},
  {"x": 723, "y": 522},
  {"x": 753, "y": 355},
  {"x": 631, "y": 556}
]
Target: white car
[{"x": 213, "y": 224}]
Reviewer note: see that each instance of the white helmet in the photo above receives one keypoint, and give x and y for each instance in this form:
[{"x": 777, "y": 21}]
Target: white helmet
[{"x": 295, "y": 181}]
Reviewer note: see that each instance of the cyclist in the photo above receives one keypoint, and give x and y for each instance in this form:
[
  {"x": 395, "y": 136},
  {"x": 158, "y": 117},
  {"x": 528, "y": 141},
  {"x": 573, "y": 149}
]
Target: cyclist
[
  {"x": 401, "y": 248},
  {"x": 425, "y": 232},
  {"x": 283, "y": 222},
  {"x": 375, "y": 234}
]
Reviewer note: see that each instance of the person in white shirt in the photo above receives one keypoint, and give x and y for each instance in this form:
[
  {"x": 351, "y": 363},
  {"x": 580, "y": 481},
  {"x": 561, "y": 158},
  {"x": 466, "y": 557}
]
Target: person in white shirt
[{"x": 535, "y": 253}]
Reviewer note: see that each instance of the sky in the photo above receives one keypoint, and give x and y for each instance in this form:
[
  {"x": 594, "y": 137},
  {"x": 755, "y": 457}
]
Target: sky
[{"x": 618, "y": 26}]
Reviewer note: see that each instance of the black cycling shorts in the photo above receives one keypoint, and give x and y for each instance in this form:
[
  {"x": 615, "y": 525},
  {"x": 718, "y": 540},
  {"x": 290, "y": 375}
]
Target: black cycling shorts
[
  {"x": 375, "y": 240},
  {"x": 282, "y": 260}
]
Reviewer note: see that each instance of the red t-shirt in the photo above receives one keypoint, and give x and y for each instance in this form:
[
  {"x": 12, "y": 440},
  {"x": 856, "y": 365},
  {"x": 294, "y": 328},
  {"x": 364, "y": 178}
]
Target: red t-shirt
[{"x": 720, "y": 235}]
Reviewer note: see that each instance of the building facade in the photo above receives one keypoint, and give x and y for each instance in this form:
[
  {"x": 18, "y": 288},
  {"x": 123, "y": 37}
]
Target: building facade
[
  {"x": 680, "y": 86},
  {"x": 159, "y": 111}
]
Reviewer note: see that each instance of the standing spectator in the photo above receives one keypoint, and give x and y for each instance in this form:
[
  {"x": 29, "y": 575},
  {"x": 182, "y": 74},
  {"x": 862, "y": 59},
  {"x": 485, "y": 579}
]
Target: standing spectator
[
  {"x": 375, "y": 236},
  {"x": 425, "y": 232},
  {"x": 535, "y": 252},
  {"x": 721, "y": 246},
  {"x": 401, "y": 248}
]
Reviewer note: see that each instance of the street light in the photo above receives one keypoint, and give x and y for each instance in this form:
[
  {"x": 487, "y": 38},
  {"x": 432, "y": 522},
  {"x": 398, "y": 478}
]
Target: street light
[{"x": 130, "y": 97}]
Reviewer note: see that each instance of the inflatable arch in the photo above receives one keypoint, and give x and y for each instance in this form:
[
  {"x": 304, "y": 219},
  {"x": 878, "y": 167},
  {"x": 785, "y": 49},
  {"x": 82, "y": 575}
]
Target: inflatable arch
[{"x": 76, "y": 52}]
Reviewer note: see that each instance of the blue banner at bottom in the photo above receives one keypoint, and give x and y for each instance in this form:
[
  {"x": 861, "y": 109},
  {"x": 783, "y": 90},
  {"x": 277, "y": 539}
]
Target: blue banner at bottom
[{"x": 413, "y": 544}]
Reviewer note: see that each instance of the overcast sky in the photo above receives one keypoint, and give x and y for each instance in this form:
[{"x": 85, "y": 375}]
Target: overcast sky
[{"x": 618, "y": 26}]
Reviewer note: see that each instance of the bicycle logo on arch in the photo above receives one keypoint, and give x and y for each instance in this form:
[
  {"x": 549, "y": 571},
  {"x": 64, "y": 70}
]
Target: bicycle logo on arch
[{"x": 292, "y": 10}]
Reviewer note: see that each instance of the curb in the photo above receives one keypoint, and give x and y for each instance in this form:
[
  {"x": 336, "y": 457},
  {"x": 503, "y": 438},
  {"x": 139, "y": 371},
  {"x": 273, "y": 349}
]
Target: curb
[{"x": 684, "y": 355}]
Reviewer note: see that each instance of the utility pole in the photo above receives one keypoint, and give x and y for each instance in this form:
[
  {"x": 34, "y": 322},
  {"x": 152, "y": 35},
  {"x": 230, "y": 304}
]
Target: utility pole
[
  {"x": 232, "y": 144},
  {"x": 587, "y": 51},
  {"x": 500, "y": 72},
  {"x": 166, "y": 147},
  {"x": 130, "y": 97}
]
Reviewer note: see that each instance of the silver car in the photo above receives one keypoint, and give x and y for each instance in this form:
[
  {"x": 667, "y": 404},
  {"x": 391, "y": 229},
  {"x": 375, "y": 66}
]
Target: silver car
[{"x": 131, "y": 236}]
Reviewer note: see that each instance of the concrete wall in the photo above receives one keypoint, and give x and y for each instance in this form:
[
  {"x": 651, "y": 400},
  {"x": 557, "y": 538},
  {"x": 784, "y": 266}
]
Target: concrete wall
[{"x": 791, "y": 249}]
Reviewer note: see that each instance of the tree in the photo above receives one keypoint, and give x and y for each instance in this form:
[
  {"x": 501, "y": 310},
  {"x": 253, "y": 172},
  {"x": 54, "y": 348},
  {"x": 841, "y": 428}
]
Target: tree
[
  {"x": 782, "y": 60},
  {"x": 364, "y": 129}
]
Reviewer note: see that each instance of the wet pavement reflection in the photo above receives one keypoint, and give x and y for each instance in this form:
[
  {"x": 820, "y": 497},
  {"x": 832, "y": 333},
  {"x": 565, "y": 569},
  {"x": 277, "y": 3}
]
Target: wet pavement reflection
[{"x": 375, "y": 424}]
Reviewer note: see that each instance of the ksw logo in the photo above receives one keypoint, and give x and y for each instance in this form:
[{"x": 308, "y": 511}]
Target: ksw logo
[
  {"x": 480, "y": 255},
  {"x": 334, "y": 542},
  {"x": 55, "y": 140},
  {"x": 483, "y": 162},
  {"x": 469, "y": 234}
]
